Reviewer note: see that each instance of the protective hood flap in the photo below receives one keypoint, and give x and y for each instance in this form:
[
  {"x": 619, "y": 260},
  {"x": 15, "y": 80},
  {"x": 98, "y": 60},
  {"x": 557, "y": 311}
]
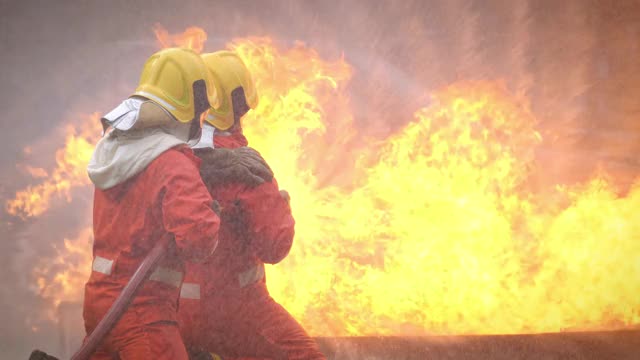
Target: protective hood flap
[{"x": 124, "y": 116}]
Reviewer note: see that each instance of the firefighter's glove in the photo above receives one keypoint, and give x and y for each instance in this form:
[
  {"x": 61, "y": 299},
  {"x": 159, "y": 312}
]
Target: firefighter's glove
[{"x": 242, "y": 165}]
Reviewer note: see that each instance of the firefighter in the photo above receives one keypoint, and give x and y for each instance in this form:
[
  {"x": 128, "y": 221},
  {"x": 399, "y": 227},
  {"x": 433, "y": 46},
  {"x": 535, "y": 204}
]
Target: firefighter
[
  {"x": 147, "y": 190},
  {"x": 225, "y": 307}
]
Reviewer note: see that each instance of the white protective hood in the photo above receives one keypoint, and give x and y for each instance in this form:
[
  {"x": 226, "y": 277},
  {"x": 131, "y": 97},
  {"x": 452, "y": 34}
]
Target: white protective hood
[
  {"x": 206, "y": 138},
  {"x": 140, "y": 131}
]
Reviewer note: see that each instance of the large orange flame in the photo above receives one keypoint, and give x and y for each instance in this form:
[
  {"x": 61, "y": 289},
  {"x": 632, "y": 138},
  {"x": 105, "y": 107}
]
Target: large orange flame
[
  {"x": 441, "y": 234},
  {"x": 432, "y": 230}
]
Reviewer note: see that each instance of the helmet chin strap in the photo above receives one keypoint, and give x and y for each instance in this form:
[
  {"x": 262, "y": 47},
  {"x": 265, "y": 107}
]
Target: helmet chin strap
[{"x": 206, "y": 138}]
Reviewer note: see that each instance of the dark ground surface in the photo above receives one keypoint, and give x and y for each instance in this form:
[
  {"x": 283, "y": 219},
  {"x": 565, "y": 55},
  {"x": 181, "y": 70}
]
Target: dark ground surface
[
  {"x": 614, "y": 345},
  {"x": 606, "y": 345}
]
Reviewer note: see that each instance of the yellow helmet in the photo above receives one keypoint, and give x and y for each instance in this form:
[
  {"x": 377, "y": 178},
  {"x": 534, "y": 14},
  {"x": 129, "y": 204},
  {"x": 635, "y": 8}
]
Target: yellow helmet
[
  {"x": 177, "y": 79},
  {"x": 234, "y": 86}
]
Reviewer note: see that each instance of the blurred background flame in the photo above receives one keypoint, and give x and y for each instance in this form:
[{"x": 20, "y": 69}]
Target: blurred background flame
[{"x": 462, "y": 207}]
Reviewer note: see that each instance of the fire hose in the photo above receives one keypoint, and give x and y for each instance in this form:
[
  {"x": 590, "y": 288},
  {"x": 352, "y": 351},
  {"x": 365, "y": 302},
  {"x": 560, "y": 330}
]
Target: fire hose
[{"x": 116, "y": 310}]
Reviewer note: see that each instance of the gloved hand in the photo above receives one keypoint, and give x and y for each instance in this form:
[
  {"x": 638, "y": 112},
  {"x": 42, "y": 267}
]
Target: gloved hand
[{"x": 242, "y": 165}]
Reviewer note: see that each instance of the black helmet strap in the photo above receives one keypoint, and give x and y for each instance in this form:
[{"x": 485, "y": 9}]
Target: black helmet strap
[
  {"x": 200, "y": 105},
  {"x": 239, "y": 102}
]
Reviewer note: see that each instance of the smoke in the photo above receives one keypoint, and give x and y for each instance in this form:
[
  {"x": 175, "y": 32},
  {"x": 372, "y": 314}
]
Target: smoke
[{"x": 577, "y": 61}]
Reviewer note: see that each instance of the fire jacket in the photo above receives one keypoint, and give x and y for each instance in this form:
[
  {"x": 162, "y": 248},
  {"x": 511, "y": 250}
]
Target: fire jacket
[
  {"x": 257, "y": 227},
  {"x": 166, "y": 201}
]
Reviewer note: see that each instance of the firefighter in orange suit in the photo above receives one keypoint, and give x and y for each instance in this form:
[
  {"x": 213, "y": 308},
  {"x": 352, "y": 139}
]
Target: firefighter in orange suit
[
  {"x": 225, "y": 308},
  {"x": 148, "y": 189}
]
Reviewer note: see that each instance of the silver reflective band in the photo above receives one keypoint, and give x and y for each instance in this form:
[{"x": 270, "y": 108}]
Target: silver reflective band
[
  {"x": 165, "y": 104},
  {"x": 167, "y": 276},
  {"x": 161, "y": 274},
  {"x": 250, "y": 276},
  {"x": 102, "y": 265},
  {"x": 190, "y": 291}
]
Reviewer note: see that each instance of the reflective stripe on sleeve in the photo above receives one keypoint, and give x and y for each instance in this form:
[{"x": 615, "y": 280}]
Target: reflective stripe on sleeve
[
  {"x": 190, "y": 291},
  {"x": 167, "y": 276},
  {"x": 102, "y": 265},
  {"x": 161, "y": 274}
]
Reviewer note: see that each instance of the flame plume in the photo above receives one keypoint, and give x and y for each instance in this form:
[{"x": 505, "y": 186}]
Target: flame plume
[{"x": 441, "y": 236}]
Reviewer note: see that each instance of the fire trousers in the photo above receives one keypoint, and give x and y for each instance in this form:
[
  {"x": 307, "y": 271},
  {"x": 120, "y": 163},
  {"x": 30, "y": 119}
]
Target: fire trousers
[
  {"x": 256, "y": 327},
  {"x": 131, "y": 340}
]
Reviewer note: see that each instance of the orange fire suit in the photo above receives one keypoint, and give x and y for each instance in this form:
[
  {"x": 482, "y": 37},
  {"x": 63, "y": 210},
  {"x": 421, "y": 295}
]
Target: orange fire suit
[
  {"x": 225, "y": 307},
  {"x": 167, "y": 200}
]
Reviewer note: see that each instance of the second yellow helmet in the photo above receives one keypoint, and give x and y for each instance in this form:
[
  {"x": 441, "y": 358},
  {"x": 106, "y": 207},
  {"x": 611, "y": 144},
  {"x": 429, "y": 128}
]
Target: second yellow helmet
[{"x": 234, "y": 86}]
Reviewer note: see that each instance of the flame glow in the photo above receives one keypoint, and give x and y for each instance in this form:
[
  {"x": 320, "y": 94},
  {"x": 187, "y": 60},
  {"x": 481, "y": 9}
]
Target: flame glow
[
  {"x": 70, "y": 171},
  {"x": 434, "y": 229},
  {"x": 62, "y": 277},
  {"x": 440, "y": 234},
  {"x": 192, "y": 38}
]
